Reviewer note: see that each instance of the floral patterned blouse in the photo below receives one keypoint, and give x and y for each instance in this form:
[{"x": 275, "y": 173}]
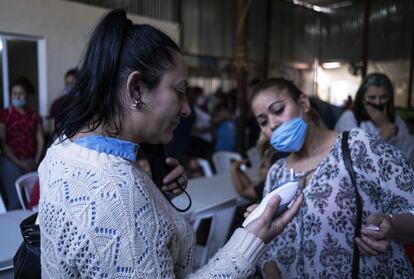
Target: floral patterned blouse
[{"x": 318, "y": 243}]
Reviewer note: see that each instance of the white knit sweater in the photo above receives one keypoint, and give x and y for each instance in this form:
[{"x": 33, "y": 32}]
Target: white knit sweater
[{"x": 102, "y": 217}]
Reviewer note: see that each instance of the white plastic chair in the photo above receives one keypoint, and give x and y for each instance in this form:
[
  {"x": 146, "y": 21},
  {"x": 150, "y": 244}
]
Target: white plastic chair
[
  {"x": 205, "y": 166},
  {"x": 25, "y": 183},
  {"x": 222, "y": 160},
  {"x": 254, "y": 157},
  {"x": 2, "y": 206},
  {"x": 221, "y": 220}
]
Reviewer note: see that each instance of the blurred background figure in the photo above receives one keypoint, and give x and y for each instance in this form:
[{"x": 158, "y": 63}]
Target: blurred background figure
[
  {"x": 348, "y": 103},
  {"x": 225, "y": 131},
  {"x": 181, "y": 142},
  {"x": 21, "y": 139},
  {"x": 201, "y": 138},
  {"x": 373, "y": 111},
  {"x": 69, "y": 80}
]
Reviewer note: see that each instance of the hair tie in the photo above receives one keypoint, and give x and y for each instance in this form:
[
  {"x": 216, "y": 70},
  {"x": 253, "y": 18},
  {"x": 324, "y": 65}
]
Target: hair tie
[{"x": 127, "y": 27}]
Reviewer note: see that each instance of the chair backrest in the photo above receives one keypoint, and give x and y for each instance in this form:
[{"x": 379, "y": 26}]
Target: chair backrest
[
  {"x": 222, "y": 160},
  {"x": 205, "y": 166},
  {"x": 2, "y": 206},
  {"x": 254, "y": 157},
  {"x": 24, "y": 185},
  {"x": 221, "y": 219}
]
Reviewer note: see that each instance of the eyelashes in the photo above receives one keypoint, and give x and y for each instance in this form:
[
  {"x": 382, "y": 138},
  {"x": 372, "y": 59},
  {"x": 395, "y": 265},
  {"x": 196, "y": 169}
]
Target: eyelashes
[{"x": 277, "y": 111}]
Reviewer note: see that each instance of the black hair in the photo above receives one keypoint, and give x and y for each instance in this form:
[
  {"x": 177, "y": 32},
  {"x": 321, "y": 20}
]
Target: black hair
[
  {"x": 373, "y": 79},
  {"x": 116, "y": 48},
  {"x": 72, "y": 72},
  {"x": 293, "y": 91},
  {"x": 25, "y": 83},
  {"x": 281, "y": 84}
]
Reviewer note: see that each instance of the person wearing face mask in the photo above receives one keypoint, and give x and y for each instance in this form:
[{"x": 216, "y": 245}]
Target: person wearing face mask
[
  {"x": 321, "y": 240},
  {"x": 373, "y": 111},
  {"x": 21, "y": 139}
]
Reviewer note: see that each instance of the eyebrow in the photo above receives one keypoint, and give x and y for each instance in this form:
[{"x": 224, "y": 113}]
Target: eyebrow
[
  {"x": 275, "y": 102},
  {"x": 268, "y": 107}
]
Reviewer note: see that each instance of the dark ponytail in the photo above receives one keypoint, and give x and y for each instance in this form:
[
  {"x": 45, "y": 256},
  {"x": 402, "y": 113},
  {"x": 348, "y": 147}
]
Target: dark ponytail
[{"x": 115, "y": 49}]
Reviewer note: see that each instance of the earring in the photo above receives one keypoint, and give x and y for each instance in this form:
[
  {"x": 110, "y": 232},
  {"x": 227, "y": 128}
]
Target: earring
[{"x": 138, "y": 103}]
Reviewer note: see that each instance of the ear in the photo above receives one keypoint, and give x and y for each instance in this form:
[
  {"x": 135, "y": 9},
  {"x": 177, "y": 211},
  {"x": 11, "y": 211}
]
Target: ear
[
  {"x": 133, "y": 85},
  {"x": 304, "y": 103}
]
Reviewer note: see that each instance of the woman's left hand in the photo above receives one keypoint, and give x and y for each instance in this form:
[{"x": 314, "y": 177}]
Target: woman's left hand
[
  {"x": 175, "y": 181},
  {"x": 372, "y": 242}
]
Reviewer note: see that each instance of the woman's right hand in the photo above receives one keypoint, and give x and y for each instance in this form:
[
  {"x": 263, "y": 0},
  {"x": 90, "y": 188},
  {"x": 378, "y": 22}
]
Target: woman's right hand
[
  {"x": 379, "y": 117},
  {"x": 266, "y": 228}
]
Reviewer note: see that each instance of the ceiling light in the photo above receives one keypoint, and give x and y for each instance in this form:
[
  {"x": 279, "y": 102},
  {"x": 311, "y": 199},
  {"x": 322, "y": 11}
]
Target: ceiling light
[{"x": 331, "y": 65}]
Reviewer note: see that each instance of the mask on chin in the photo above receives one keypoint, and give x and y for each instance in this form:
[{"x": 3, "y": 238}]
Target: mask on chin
[{"x": 290, "y": 136}]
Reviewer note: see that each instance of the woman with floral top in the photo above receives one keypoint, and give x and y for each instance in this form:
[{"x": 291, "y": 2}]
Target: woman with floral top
[{"x": 319, "y": 242}]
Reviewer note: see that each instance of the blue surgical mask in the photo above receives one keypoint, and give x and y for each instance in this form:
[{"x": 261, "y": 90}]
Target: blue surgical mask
[
  {"x": 18, "y": 103},
  {"x": 290, "y": 136}
]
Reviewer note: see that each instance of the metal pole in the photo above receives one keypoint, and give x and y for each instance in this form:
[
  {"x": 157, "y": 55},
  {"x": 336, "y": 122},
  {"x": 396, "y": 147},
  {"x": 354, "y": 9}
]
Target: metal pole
[
  {"x": 266, "y": 54},
  {"x": 5, "y": 69},
  {"x": 241, "y": 64},
  {"x": 178, "y": 16},
  {"x": 365, "y": 38}
]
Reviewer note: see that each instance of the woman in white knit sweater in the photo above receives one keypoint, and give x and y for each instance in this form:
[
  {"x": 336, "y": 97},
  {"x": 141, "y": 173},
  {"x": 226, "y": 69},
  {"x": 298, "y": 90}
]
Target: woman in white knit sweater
[{"x": 101, "y": 215}]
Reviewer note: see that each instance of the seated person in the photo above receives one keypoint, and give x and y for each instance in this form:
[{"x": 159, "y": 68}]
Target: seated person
[
  {"x": 21, "y": 139},
  {"x": 225, "y": 129}
]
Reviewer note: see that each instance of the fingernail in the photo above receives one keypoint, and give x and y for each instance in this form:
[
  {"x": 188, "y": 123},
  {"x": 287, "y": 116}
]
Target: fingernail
[{"x": 275, "y": 198}]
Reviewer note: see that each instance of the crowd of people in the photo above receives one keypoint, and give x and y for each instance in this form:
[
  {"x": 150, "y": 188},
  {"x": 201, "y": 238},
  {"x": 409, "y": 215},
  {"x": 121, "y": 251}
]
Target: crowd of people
[{"x": 102, "y": 215}]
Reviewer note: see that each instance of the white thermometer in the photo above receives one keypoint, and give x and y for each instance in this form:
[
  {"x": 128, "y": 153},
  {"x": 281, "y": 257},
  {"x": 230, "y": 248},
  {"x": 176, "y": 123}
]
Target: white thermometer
[{"x": 287, "y": 192}]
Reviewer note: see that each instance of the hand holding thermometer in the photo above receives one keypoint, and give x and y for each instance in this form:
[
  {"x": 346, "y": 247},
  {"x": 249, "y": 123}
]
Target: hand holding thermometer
[{"x": 287, "y": 192}]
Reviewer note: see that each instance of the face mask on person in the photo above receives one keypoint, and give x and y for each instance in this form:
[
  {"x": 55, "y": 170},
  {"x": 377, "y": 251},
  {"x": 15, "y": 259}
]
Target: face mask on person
[
  {"x": 290, "y": 136},
  {"x": 378, "y": 107},
  {"x": 18, "y": 103},
  {"x": 67, "y": 88}
]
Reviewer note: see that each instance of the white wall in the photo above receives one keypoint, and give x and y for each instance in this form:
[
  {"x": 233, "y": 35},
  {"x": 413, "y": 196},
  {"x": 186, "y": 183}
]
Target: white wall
[{"x": 65, "y": 26}]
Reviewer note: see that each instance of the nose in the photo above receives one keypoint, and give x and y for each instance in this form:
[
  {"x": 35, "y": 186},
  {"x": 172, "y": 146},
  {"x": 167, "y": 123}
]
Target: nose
[
  {"x": 185, "y": 108},
  {"x": 273, "y": 122},
  {"x": 377, "y": 101}
]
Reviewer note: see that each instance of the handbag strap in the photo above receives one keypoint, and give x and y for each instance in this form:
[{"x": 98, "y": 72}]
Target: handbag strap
[
  {"x": 30, "y": 231},
  {"x": 358, "y": 223}
]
